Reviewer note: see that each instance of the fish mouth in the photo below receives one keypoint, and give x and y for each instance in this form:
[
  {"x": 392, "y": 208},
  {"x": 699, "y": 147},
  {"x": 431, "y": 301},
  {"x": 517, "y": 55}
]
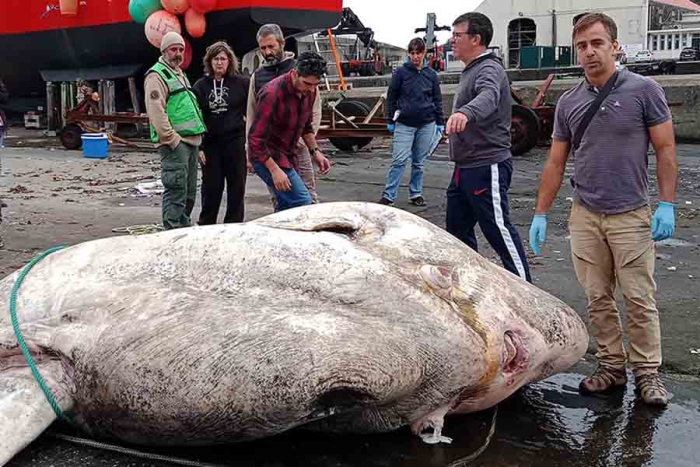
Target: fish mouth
[{"x": 516, "y": 356}]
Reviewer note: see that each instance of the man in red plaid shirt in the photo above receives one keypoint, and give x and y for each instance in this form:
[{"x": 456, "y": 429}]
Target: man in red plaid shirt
[{"x": 283, "y": 114}]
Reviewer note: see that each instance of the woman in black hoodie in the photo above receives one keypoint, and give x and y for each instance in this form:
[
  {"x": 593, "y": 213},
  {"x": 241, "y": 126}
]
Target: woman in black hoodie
[{"x": 222, "y": 95}]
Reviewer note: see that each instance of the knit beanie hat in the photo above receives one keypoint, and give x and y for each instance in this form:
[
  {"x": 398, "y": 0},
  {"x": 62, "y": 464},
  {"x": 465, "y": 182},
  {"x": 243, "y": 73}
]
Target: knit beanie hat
[{"x": 171, "y": 38}]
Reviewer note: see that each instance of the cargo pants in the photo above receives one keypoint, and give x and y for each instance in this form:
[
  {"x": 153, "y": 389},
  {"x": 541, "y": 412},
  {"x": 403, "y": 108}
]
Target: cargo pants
[
  {"x": 612, "y": 249},
  {"x": 179, "y": 177}
]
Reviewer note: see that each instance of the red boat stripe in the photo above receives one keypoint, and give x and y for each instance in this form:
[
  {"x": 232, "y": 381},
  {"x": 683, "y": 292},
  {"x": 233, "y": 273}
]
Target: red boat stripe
[{"x": 22, "y": 16}]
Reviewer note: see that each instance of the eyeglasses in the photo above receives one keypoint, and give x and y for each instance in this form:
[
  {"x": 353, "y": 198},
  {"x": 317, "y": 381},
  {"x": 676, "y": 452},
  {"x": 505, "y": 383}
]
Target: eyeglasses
[{"x": 457, "y": 35}]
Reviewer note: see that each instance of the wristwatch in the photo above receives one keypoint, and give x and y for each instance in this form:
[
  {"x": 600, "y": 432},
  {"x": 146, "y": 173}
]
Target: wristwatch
[{"x": 315, "y": 150}]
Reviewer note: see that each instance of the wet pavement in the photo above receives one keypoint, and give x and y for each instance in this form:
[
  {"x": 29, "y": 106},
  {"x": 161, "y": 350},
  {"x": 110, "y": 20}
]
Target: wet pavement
[
  {"x": 544, "y": 424},
  {"x": 59, "y": 197}
]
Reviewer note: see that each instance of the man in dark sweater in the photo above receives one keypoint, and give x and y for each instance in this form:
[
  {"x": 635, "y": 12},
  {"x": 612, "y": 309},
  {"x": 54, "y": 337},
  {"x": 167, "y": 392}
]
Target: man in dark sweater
[
  {"x": 277, "y": 63},
  {"x": 479, "y": 132}
]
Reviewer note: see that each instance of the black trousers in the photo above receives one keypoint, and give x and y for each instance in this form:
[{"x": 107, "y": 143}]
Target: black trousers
[
  {"x": 225, "y": 163},
  {"x": 480, "y": 195}
]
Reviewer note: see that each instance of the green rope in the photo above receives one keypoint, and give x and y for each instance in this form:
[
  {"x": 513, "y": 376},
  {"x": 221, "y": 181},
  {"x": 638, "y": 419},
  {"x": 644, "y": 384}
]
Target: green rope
[{"x": 20, "y": 340}]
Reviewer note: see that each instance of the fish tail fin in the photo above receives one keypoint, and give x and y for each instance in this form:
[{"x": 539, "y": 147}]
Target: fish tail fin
[{"x": 24, "y": 409}]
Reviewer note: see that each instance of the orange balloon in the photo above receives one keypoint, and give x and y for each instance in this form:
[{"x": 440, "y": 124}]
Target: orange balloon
[
  {"x": 203, "y": 6},
  {"x": 159, "y": 24},
  {"x": 195, "y": 23},
  {"x": 176, "y": 7},
  {"x": 187, "y": 57}
]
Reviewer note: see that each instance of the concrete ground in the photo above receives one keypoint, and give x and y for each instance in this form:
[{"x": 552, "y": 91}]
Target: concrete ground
[{"x": 58, "y": 197}]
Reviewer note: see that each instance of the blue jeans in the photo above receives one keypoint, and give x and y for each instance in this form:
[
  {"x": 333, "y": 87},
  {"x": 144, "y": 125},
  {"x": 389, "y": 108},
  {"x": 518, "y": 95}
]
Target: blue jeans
[
  {"x": 298, "y": 196},
  {"x": 413, "y": 143}
]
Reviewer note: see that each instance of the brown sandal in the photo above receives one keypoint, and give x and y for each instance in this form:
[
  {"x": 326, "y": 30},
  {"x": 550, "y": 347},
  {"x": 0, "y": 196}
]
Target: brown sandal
[
  {"x": 603, "y": 381},
  {"x": 651, "y": 389}
]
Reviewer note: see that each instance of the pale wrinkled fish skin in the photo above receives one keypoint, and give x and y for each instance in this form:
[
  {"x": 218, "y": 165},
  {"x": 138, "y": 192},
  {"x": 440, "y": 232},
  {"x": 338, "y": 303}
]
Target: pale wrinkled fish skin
[{"x": 234, "y": 332}]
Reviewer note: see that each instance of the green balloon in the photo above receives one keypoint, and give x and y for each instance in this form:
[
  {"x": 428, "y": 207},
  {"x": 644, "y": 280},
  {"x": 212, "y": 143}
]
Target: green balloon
[{"x": 140, "y": 10}]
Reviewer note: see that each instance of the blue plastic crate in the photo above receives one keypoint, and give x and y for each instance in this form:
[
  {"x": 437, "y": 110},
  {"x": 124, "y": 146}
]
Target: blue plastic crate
[{"x": 95, "y": 145}]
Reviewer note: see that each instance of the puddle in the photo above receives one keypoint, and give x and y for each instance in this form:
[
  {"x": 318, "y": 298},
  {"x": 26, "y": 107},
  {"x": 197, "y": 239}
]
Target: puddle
[{"x": 545, "y": 424}]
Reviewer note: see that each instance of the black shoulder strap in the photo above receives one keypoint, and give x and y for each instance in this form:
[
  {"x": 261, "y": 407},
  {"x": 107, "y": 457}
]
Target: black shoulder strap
[{"x": 593, "y": 109}]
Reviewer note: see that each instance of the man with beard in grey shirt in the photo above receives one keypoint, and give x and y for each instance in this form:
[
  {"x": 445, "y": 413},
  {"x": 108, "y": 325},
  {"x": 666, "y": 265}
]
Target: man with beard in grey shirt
[{"x": 479, "y": 132}]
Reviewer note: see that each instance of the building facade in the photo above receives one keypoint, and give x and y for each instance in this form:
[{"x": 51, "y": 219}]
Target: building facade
[
  {"x": 673, "y": 25},
  {"x": 641, "y": 24}
]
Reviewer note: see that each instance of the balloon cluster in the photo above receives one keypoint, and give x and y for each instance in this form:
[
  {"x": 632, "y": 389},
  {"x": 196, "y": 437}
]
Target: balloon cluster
[{"x": 161, "y": 16}]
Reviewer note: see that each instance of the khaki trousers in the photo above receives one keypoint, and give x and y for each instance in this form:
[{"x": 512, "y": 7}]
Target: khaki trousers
[
  {"x": 612, "y": 249},
  {"x": 306, "y": 172}
]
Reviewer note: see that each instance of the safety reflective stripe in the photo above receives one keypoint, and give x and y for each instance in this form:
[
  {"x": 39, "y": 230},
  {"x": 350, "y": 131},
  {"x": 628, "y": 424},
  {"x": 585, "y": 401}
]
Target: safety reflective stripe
[{"x": 186, "y": 125}]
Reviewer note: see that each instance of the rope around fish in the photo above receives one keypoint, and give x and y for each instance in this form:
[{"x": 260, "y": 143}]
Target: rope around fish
[
  {"x": 139, "y": 229},
  {"x": 470, "y": 458},
  {"x": 132, "y": 452},
  {"x": 189, "y": 463}
]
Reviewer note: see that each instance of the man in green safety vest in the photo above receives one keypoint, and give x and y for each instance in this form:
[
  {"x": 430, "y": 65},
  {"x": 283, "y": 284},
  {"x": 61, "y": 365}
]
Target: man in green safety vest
[{"x": 176, "y": 126}]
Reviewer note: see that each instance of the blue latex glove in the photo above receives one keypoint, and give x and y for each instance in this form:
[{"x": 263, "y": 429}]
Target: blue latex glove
[
  {"x": 538, "y": 232},
  {"x": 391, "y": 127},
  {"x": 441, "y": 129},
  {"x": 663, "y": 224}
]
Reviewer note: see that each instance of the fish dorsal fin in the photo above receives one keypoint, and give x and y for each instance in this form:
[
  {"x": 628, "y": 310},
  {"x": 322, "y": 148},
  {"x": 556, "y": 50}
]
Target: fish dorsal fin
[
  {"x": 24, "y": 411},
  {"x": 329, "y": 217}
]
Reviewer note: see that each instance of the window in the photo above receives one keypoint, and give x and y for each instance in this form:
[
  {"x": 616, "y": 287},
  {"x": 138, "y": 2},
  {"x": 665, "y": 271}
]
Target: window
[
  {"x": 676, "y": 42},
  {"x": 669, "y": 42},
  {"x": 685, "y": 40},
  {"x": 662, "y": 42},
  {"x": 655, "y": 43}
]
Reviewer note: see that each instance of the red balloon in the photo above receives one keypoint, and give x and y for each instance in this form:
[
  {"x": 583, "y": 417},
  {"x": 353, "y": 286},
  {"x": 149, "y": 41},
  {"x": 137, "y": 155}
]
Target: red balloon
[
  {"x": 176, "y": 7},
  {"x": 187, "y": 58},
  {"x": 159, "y": 24},
  {"x": 203, "y": 6},
  {"x": 195, "y": 23}
]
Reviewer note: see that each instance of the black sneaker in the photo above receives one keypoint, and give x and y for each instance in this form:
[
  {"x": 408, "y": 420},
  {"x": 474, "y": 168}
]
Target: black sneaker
[
  {"x": 418, "y": 201},
  {"x": 386, "y": 202}
]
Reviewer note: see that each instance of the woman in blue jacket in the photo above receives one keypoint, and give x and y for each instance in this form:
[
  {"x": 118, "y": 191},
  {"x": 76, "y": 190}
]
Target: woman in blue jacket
[{"x": 414, "y": 116}]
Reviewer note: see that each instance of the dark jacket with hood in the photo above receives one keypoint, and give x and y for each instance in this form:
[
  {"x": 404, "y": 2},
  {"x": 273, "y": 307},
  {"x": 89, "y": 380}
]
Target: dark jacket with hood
[
  {"x": 483, "y": 95},
  {"x": 415, "y": 93}
]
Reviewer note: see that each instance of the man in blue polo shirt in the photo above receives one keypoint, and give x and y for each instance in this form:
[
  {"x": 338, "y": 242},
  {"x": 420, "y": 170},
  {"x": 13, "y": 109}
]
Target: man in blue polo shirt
[{"x": 611, "y": 225}]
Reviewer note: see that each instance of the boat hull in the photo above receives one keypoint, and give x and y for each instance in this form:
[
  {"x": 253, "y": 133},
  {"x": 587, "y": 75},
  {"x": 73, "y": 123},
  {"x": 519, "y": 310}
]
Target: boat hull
[{"x": 118, "y": 44}]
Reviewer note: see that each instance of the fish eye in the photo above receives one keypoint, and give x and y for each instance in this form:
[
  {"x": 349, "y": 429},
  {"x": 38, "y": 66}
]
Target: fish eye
[{"x": 436, "y": 277}]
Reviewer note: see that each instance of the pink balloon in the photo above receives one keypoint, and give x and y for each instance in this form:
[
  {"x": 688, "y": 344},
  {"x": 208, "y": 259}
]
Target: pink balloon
[
  {"x": 203, "y": 6},
  {"x": 187, "y": 58},
  {"x": 176, "y": 7},
  {"x": 195, "y": 23},
  {"x": 159, "y": 24}
]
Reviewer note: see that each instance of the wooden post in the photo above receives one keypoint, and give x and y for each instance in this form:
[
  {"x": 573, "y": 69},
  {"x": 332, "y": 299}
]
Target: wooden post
[
  {"x": 106, "y": 105},
  {"x": 67, "y": 97},
  {"x": 101, "y": 91},
  {"x": 135, "y": 102},
  {"x": 51, "y": 120},
  {"x": 375, "y": 109}
]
